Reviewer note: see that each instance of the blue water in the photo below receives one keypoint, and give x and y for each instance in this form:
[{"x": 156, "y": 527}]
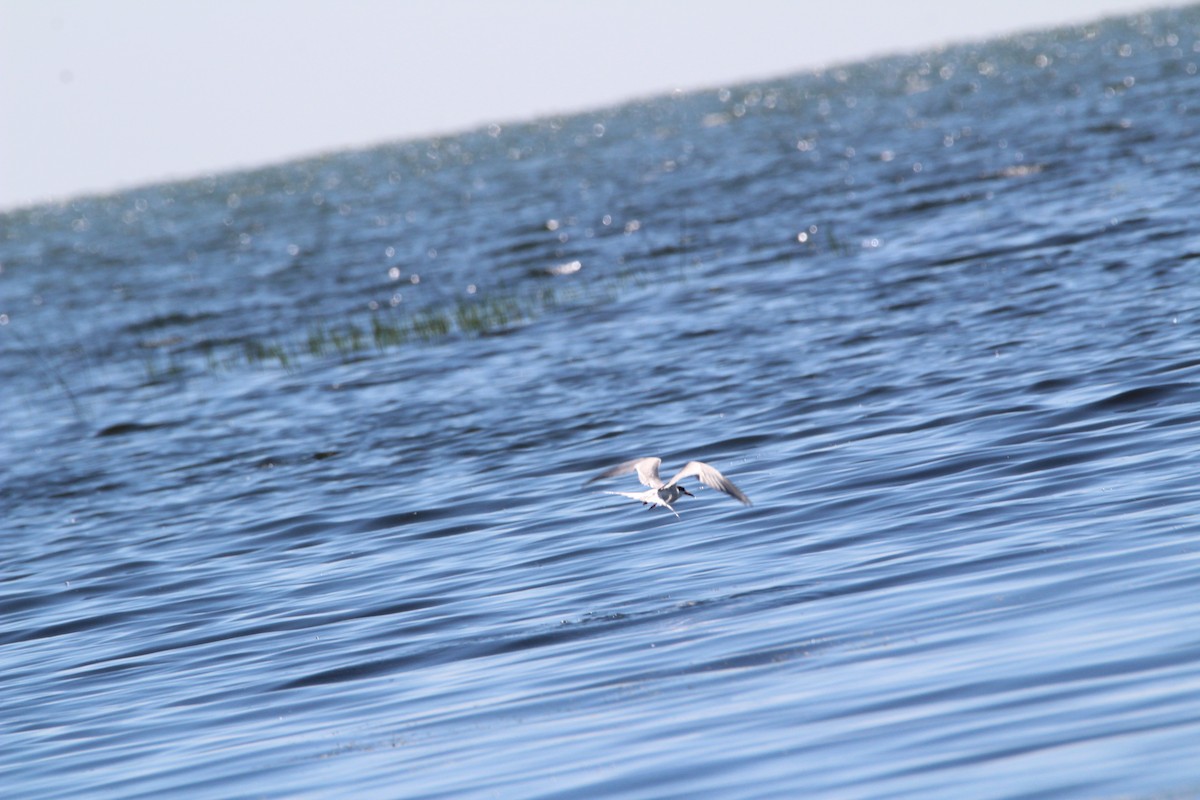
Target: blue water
[{"x": 292, "y": 459}]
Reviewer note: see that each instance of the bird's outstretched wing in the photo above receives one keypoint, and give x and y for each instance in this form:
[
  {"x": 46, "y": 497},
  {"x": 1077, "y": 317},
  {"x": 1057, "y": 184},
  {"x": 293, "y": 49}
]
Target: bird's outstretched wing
[
  {"x": 710, "y": 477},
  {"x": 646, "y": 469}
]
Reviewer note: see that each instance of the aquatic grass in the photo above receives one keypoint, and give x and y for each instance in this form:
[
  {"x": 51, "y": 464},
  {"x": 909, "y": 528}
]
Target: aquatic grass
[
  {"x": 389, "y": 329},
  {"x": 384, "y": 329},
  {"x": 318, "y": 342},
  {"x": 494, "y": 314},
  {"x": 472, "y": 316},
  {"x": 210, "y": 356},
  {"x": 431, "y": 324},
  {"x": 347, "y": 340},
  {"x": 257, "y": 352},
  {"x": 477, "y": 314},
  {"x": 162, "y": 367},
  {"x": 387, "y": 333}
]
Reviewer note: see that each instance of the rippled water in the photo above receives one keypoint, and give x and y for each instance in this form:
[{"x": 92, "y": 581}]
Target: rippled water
[{"x": 292, "y": 458}]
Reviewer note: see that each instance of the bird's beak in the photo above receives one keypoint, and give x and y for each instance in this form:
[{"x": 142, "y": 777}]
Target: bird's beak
[{"x": 685, "y": 491}]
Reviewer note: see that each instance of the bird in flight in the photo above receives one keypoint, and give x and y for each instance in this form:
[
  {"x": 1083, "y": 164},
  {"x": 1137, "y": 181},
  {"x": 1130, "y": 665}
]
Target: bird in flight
[{"x": 664, "y": 494}]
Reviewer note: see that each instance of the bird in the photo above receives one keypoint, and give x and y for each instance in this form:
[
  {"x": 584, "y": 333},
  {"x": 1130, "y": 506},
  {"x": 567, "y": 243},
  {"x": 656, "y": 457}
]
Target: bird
[{"x": 664, "y": 494}]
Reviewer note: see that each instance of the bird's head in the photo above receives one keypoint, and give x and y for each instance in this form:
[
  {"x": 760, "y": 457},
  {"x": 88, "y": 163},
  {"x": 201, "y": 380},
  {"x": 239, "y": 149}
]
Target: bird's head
[{"x": 685, "y": 491}]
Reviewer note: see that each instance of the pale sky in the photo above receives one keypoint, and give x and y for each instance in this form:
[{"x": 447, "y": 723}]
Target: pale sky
[{"x": 103, "y": 94}]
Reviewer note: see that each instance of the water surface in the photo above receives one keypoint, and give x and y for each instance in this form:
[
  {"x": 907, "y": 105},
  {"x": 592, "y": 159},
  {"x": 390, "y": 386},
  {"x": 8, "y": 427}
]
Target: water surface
[{"x": 292, "y": 458}]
